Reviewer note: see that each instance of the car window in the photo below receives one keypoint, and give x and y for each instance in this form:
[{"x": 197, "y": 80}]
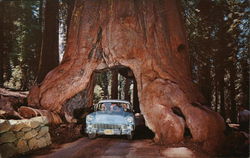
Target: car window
[
  {"x": 102, "y": 107},
  {"x": 113, "y": 107}
]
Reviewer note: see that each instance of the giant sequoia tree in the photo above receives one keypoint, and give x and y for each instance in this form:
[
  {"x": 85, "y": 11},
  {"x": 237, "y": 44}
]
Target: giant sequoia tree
[{"x": 148, "y": 37}]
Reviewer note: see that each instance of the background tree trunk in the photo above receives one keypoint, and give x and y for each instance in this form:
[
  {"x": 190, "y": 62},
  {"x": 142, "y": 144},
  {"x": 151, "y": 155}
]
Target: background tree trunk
[
  {"x": 1, "y": 46},
  {"x": 232, "y": 93},
  {"x": 6, "y": 44},
  {"x": 127, "y": 89},
  {"x": 148, "y": 37},
  {"x": 114, "y": 84},
  {"x": 135, "y": 98},
  {"x": 49, "y": 57},
  {"x": 245, "y": 81},
  {"x": 70, "y": 11}
]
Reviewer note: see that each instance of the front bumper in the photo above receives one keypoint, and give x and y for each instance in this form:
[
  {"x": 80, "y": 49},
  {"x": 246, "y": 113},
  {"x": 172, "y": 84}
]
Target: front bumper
[{"x": 103, "y": 131}]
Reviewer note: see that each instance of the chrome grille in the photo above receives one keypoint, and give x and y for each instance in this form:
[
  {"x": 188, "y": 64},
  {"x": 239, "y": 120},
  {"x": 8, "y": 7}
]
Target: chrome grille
[{"x": 106, "y": 126}]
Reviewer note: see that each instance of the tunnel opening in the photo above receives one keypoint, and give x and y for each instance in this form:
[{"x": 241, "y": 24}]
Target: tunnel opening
[{"x": 119, "y": 82}]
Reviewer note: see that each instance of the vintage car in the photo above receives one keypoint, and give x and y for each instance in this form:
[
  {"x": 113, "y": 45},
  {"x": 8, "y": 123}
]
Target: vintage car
[{"x": 111, "y": 117}]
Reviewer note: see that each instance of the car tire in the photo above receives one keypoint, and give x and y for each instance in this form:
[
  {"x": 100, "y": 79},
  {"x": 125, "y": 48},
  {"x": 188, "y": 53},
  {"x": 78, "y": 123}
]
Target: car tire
[
  {"x": 130, "y": 136},
  {"x": 91, "y": 135}
]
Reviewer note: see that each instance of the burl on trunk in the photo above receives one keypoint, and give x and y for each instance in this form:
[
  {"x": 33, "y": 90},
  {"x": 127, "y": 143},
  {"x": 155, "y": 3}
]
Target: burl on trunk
[{"x": 148, "y": 37}]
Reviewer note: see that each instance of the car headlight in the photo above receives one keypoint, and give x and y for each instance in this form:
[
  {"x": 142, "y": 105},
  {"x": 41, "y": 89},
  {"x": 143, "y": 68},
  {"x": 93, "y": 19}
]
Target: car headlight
[
  {"x": 124, "y": 127},
  {"x": 89, "y": 126},
  {"x": 89, "y": 118},
  {"x": 130, "y": 119}
]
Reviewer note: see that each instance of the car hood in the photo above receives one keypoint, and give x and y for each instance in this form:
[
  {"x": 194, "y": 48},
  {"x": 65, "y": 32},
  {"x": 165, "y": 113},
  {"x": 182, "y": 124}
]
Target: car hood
[{"x": 107, "y": 117}]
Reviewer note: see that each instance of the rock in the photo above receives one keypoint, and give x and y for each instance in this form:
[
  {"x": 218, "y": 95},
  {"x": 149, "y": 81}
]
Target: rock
[
  {"x": 13, "y": 122},
  {"x": 34, "y": 124},
  {"x": 43, "y": 131},
  {"x": 19, "y": 134},
  {"x": 30, "y": 134},
  {"x": 35, "y": 143},
  {"x": 18, "y": 125},
  {"x": 38, "y": 128},
  {"x": 4, "y": 126},
  {"x": 7, "y": 137},
  {"x": 7, "y": 150},
  {"x": 41, "y": 119},
  {"x": 26, "y": 129},
  {"x": 178, "y": 152},
  {"x": 48, "y": 139},
  {"x": 22, "y": 146},
  {"x": 28, "y": 123},
  {"x": 44, "y": 141}
]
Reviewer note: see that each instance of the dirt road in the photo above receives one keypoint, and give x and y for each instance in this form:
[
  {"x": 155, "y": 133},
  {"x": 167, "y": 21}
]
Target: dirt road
[
  {"x": 117, "y": 147},
  {"x": 106, "y": 147}
]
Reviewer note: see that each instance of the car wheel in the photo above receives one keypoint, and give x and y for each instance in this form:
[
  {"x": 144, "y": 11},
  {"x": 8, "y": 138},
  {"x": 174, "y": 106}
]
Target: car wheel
[
  {"x": 92, "y": 135},
  {"x": 130, "y": 136}
]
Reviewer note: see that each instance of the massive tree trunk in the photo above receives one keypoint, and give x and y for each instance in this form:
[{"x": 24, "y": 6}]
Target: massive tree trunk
[
  {"x": 148, "y": 37},
  {"x": 49, "y": 57}
]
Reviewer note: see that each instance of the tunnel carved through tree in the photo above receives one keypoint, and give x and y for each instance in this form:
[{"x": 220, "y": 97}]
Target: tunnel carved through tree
[{"x": 149, "y": 38}]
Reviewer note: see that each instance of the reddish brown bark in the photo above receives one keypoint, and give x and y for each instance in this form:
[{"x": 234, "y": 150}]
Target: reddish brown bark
[
  {"x": 28, "y": 112},
  {"x": 10, "y": 101},
  {"x": 148, "y": 37},
  {"x": 77, "y": 103}
]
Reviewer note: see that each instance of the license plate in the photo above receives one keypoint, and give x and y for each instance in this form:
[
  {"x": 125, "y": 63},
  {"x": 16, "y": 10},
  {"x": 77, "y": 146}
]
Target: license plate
[{"x": 108, "y": 131}]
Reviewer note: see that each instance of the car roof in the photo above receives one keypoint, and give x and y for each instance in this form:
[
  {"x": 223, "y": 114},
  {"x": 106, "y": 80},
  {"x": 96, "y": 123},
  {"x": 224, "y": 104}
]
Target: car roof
[{"x": 114, "y": 100}]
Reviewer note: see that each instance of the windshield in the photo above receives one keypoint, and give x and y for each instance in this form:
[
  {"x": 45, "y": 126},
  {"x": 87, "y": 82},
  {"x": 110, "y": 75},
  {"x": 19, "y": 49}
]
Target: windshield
[{"x": 113, "y": 107}]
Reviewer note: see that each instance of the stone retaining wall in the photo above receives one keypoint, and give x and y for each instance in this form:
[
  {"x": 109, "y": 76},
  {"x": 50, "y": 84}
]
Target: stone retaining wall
[{"x": 20, "y": 136}]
